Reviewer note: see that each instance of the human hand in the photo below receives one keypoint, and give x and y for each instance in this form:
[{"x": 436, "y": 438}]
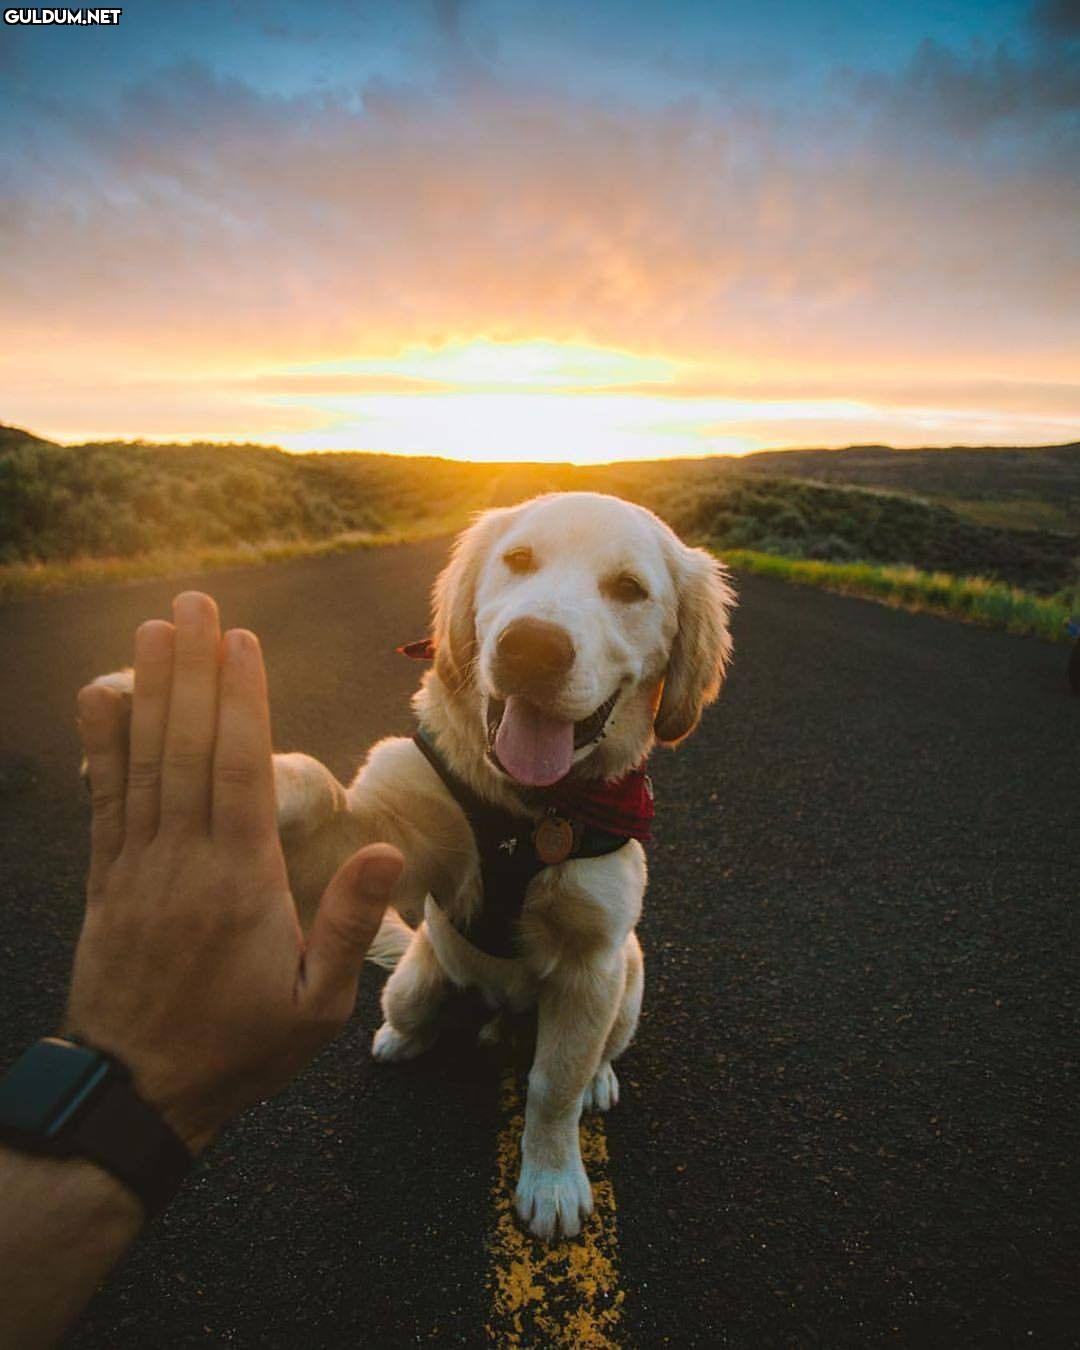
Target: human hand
[{"x": 191, "y": 966}]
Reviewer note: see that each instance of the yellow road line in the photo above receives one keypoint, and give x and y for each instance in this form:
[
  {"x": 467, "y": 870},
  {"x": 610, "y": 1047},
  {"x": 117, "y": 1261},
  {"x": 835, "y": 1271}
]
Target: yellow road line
[{"x": 563, "y": 1294}]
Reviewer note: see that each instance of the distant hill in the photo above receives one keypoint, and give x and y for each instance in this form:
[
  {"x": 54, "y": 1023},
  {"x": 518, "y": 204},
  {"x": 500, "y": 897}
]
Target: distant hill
[
  {"x": 127, "y": 499},
  {"x": 992, "y": 484},
  {"x": 14, "y": 436},
  {"x": 803, "y": 519}
]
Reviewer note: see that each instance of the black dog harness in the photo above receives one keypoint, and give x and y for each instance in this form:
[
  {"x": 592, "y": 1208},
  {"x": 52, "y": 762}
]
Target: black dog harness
[{"x": 511, "y": 847}]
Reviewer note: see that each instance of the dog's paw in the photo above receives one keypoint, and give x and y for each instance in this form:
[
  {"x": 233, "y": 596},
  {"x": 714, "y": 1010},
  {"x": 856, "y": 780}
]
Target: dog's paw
[
  {"x": 553, "y": 1201},
  {"x": 603, "y": 1091},
  {"x": 123, "y": 682},
  {"x": 392, "y": 1046}
]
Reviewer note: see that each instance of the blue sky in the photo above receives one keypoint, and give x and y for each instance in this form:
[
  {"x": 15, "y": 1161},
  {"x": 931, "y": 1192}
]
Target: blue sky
[
  {"x": 635, "y": 50},
  {"x": 857, "y": 218}
]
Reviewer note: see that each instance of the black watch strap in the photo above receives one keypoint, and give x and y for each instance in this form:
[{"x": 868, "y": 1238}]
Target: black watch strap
[{"x": 128, "y": 1138}]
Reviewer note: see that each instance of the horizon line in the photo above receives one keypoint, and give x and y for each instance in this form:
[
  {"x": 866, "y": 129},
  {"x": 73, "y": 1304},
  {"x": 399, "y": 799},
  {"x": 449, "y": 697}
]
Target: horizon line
[{"x": 223, "y": 444}]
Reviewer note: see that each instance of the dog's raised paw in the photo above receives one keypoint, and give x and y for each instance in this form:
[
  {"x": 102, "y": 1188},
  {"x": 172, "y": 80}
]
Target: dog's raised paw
[
  {"x": 123, "y": 682},
  {"x": 603, "y": 1090},
  {"x": 553, "y": 1201},
  {"x": 392, "y": 1046}
]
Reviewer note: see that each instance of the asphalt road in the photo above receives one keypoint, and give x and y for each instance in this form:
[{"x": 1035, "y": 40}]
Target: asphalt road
[{"x": 850, "y": 1116}]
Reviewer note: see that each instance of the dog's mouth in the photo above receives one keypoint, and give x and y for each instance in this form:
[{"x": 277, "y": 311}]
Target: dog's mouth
[{"x": 534, "y": 748}]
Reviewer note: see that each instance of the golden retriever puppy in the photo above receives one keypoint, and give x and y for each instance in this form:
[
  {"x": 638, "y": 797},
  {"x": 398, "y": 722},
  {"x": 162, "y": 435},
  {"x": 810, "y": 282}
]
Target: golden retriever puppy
[{"x": 571, "y": 633}]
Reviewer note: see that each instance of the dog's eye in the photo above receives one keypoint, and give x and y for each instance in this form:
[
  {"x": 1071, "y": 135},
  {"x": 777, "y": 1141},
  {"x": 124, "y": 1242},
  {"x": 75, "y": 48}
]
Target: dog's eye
[
  {"x": 520, "y": 560},
  {"x": 625, "y": 587}
]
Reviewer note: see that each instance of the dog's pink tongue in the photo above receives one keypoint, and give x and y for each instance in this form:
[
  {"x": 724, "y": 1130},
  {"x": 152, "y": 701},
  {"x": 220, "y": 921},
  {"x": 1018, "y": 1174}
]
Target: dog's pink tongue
[{"x": 535, "y": 749}]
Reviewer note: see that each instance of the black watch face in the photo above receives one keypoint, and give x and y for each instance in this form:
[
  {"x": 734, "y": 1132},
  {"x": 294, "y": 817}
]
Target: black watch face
[{"x": 46, "y": 1086}]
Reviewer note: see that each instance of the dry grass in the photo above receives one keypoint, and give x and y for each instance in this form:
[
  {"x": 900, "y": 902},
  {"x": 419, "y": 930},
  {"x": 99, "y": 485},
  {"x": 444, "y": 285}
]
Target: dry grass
[{"x": 23, "y": 580}]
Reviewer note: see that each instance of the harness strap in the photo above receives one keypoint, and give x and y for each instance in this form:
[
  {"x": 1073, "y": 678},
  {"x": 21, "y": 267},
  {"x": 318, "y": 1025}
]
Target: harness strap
[
  {"x": 470, "y": 802},
  {"x": 508, "y": 857}
]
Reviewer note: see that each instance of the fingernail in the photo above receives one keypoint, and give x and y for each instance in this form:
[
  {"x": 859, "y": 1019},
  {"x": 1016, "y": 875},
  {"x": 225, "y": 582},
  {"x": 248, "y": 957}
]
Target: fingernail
[
  {"x": 240, "y": 645},
  {"x": 379, "y": 876},
  {"x": 191, "y": 606},
  {"x": 152, "y": 638}
]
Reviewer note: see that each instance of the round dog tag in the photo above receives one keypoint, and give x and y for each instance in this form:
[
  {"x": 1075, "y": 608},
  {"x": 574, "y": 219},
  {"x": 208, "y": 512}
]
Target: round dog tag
[{"x": 554, "y": 839}]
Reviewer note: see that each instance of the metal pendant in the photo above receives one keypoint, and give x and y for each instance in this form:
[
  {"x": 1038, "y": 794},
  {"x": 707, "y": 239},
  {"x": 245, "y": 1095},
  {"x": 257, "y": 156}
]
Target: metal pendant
[{"x": 554, "y": 840}]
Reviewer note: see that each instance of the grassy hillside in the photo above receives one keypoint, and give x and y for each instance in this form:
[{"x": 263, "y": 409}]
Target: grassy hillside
[
  {"x": 159, "y": 507},
  {"x": 991, "y": 485},
  {"x": 842, "y": 524},
  {"x": 59, "y": 503}
]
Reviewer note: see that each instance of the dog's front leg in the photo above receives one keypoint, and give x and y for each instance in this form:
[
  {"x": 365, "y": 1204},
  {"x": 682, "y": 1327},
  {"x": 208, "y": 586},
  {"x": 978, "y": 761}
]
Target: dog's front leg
[
  {"x": 411, "y": 1000},
  {"x": 577, "y": 1008}
]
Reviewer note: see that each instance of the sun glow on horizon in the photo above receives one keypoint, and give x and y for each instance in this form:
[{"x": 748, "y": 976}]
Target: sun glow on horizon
[
  {"x": 487, "y": 363},
  {"x": 544, "y": 401},
  {"x": 538, "y": 400},
  {"x": 488, "y": 400}
]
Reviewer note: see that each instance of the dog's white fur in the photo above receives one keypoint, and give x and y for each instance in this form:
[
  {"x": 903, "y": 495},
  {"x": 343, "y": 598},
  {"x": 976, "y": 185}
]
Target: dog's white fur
[{"x": 581, "y": 963}]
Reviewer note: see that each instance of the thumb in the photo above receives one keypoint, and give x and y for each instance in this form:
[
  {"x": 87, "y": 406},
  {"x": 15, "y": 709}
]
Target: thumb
[{"x": 348, "y": 917}]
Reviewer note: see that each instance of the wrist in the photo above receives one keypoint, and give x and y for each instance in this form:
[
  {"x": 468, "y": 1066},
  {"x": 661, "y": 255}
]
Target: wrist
[
  {"x": 193, "y": 1121},
  {"x": 65, "y": 1100}
]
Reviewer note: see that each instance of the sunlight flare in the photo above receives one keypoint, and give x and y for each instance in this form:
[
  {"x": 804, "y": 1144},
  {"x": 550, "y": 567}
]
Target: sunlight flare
[{"x": 533, "y": 400}]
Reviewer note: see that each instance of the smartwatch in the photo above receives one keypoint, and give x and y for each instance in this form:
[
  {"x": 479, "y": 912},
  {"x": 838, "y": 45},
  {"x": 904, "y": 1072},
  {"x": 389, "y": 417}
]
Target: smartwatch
[{"x": 64, "y": 1099}]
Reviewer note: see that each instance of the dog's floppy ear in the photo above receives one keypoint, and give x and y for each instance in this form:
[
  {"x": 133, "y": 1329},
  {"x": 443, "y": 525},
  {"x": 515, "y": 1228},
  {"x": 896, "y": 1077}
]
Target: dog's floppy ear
[
  {"x": 454, "y": 599},
  {"x": 702, "y": 647}
]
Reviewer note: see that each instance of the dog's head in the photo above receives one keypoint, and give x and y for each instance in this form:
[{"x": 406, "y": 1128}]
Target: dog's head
[{"x": 576, "y": 629}]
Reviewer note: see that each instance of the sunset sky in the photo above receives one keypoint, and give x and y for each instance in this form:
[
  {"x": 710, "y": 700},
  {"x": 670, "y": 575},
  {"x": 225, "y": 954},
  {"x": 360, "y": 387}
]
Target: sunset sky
[{"x": 558, "y": 230}]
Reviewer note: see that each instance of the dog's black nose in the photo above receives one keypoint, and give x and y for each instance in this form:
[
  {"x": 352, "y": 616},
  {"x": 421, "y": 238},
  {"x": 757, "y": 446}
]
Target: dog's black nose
[{"x": 529, "y": 649}]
